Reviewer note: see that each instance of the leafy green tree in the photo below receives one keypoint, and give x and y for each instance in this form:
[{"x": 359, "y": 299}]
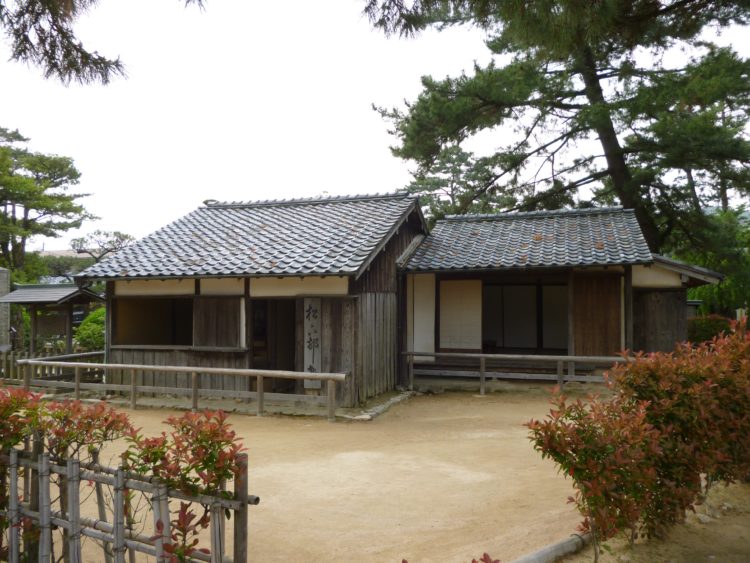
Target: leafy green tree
[
  {"x": 101, "y": 243},
  {"x": 90, "y": 333},
  {"x": 586, "y": 105},
  {"x": 42, "y": 33},
  {"x": 34, "y": 197}
]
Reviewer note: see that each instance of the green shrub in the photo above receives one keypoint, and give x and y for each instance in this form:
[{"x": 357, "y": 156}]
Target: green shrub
[
  {"x": 90, "y": 334},
  {"x": 677, "y": 423},
  {"x": 701, "y": 329}
]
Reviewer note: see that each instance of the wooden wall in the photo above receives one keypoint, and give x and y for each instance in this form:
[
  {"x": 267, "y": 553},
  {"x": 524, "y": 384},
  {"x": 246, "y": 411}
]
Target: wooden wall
[
  {"x": 596, "y": 314},
  {"x": 377, "y": 350},
  {"x": 176, "y": 357},
  {"x": 659, "y": 319},
  {"x": 382, "y": 273}
]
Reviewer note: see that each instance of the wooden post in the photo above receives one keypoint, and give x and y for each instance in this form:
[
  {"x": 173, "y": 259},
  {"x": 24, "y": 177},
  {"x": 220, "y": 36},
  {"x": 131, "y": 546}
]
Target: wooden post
[
  {"x": 628, "y": 305},
  {"x": 119, "y": 517},
  {"x": 69, "y": 328},
  {"x": 32, "y": 338},
  {"x": 571, "y": 370},
  {"x": 411, "y": 372},
  {"x": 482, "y": 365},
  {"x": 560, "y": 376},
  {"x": 13, "y": 506},
  {"x": 331, "y": 388},
  {"x": 240, "y": 516},
  {"x": 32, "y": 484},
  {"x": 195, "y": 385},
  {"x": 133, "y": 381},
  {"x": 78, "y": 383},
  {"x": 163, "y": 493},
  {"x": 45, "y": 508},
  {"x": 74, "y": 507},
  {"x": 101, "y": 508},
  {"x": 217, "y": 545},
  {"x": 261, "y": 410}
]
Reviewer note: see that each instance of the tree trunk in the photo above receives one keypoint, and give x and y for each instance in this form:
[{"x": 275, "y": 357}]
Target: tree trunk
[{"x": 622, "y": 179}]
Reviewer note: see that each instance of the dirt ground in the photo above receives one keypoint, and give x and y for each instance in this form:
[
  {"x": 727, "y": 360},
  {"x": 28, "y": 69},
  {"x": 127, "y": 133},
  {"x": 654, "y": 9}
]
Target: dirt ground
[{"x": 437, "y": 478}]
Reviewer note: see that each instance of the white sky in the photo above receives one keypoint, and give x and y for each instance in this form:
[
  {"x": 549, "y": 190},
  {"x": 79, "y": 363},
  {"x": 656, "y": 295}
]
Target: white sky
[{"x": 246, "y": 100}]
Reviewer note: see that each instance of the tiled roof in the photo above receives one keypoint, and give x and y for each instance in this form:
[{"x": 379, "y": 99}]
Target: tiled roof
[
  {"x": 333, "y": 235},
  {"x": 590, "y": 237},
  {"x": 46, "y": 293}
]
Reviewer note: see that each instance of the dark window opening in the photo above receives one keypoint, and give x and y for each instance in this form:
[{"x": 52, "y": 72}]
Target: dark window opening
[
  {"x": 153, "y": 322},
  {"x": 524, "y": 317}
]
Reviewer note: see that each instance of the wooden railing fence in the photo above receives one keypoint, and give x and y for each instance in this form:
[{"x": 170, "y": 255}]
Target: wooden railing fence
[
  {"x": 195, "y": 391},
  {"x": 534, "y": 360},
  {"x": 30, "y": 482},
  {"x": 11, "y": 370}
]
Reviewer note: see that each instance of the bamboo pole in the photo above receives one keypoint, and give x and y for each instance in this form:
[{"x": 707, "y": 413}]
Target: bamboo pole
[
  {"x": 101, "y": 508},
  {"x": 74, "y": 507},
  {"x": 45, "y": 507},
  {"x": 13, "y": 505},
  {"x": 159, "y": 534},
  {"x": 217, "y": 545},
  {"x": 119, "y": 518}
]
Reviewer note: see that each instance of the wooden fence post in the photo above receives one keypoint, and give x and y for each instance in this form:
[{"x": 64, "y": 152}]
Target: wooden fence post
[
  {"x": 133, "y": 382},
  {"x": 217, "y": 541},
  {"x": 27, "y": 377},
  {"x": 101, "y": 508},
  {"x": 78, "y": 384},
  {"x": 195, "y": 381},
  {"x": 13, "y": 513},
  {"x": 240, "y": 516},
  {"x": 482, "y": 365},
  {"x": 411, "y": 372},
  {"x": 74, "y": 510},
  {"x": 331, "y": 388},
  {"x": 259, "y": 386},
  {"x": 560, "y": 374},
  {"x": 45, "y": 508},
  {"x": 119, "y": 517}
]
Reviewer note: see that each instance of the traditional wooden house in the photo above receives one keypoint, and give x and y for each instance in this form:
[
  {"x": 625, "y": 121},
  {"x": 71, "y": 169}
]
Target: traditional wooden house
[
  {"x": 305, "y": 285},
  {"x": 575, "y": 282}
]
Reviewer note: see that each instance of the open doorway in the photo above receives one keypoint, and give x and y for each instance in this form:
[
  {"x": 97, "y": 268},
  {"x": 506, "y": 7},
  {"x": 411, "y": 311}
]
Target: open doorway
[{"x": 273, "y": 338}]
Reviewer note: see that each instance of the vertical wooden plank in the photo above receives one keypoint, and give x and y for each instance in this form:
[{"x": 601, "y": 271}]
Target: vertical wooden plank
[
  {"x": 331, "y": 388},
  {"x": 13, "y": 510},
  {"x": 240, "y": 516},
  {"x": 560, "y": 376},
  {"x": 194, "y": 380},
  {"x": 347, "y": 339},
  {"x": 571, "y": 314},
  {"x": 411, "y": 372},
  {"x": 74, "y": 507}
]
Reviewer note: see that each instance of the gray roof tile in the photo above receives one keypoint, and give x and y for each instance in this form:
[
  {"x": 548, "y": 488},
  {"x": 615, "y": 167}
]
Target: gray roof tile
[
  {"x": 590, "y": 237},
  {"x": 285, "y": 237}
]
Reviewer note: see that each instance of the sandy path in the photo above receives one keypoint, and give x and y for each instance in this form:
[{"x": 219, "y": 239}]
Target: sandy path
[{"x": 438, "y": 478}]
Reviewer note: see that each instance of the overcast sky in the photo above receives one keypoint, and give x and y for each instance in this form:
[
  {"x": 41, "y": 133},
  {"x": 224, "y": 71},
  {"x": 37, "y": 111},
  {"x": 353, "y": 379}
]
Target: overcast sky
[{"x": 243, "y": 101}]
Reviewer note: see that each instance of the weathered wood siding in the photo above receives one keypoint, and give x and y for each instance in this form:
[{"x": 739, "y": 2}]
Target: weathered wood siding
[
  {"x": 659, "y": 319},
  {"x": 377, "y": 350},
  {"x": 381, "y": 276},
  {"x": 597, "y": 315},
  {"x": 172, "y": 357}
]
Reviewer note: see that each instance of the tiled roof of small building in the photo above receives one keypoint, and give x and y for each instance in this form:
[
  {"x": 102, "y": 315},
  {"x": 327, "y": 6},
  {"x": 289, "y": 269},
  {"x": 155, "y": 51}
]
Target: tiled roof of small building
[
  {"x": 316, "y": 236},
  {"x": 540, "y": 239},
  {"x": 46, "y": 294}
]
